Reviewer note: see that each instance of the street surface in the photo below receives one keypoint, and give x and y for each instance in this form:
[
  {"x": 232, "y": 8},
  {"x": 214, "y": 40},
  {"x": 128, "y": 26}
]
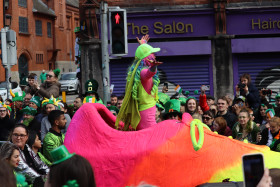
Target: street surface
[{"x": 70, "y": 97}]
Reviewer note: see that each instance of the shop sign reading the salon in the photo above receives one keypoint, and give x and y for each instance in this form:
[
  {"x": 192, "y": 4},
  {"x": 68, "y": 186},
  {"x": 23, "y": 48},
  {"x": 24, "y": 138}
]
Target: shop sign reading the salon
[{"x": 161, "y": 28}]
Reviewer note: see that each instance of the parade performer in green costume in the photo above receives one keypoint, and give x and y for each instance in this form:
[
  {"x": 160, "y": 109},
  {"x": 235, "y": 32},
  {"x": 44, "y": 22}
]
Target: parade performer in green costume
[{"x": 139, "y": 106}]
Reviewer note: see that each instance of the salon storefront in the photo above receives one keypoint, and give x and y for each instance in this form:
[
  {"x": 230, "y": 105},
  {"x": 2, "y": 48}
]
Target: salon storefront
[
  {"x": 185, "y": 48},
  {"x": 256, "y": 45}
]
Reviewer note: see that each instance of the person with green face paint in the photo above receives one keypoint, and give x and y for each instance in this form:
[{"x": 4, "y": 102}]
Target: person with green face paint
[{"x": 29, "y": 119}]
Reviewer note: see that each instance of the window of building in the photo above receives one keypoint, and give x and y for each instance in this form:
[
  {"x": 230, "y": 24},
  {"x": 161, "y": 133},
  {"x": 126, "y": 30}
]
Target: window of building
[
  {"x": 49, "y": 29},
  {"x": 22, "y": 3},
  {"x": 68, "y": 24},
  {"x": 38, "y": 25},
  {"x": 60, "y": 16},
  {"x": 39, "y": 58},
  {"x": 23, "y": 25}
]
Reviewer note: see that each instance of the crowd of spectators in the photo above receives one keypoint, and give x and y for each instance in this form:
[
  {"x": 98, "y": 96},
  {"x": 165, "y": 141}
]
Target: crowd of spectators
[
  {"x": 247, "y": 116},
  {"x": 35, "y": 121}
]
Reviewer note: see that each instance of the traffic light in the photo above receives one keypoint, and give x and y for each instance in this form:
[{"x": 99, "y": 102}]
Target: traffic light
[
  {"x": 11, "y": 47},
  {"x": 4, "y": 47},
  {"x": 118, "y": 31},
  {"x": 8, "y": 47}
]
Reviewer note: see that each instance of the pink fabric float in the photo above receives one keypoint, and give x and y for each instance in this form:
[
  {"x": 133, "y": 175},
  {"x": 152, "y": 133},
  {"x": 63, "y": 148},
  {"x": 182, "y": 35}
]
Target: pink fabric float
[{"x": 113, "y": 154}]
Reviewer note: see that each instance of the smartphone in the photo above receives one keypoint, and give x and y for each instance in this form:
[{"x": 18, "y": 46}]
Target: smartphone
[
  {"x": 206, "y": 87},
  {"x": 165, "y": 84},
  {"x": 35, "y": 77},
  {"x": 253, "y": 169}
]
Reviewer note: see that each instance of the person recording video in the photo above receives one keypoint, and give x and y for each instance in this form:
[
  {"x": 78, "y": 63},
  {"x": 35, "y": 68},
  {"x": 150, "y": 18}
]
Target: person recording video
[{"x": 248, "y": 90}]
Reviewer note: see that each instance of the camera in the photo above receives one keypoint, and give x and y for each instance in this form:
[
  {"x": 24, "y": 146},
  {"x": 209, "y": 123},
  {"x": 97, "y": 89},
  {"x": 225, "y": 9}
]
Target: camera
[
  {"x": 266, "y": 92},
  {"x": 241, "y": 86}
]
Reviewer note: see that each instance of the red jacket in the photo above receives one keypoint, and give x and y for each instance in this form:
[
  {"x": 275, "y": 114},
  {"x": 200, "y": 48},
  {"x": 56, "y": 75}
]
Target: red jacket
[{"x": 202, "y": 103}]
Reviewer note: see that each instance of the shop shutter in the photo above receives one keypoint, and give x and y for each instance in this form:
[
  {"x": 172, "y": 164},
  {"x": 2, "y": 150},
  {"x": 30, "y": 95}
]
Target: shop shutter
[
  {"x": 263, "y": 68},
  {"x": 118, "y": 72},
  {"x": 190, "y": 72}
]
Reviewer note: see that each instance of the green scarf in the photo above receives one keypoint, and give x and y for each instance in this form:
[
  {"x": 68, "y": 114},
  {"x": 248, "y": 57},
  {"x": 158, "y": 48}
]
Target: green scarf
[{"x": 129, "y": 113}]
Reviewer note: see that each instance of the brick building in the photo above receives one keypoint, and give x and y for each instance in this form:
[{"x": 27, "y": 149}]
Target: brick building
[{"x": 45, "y": 35}]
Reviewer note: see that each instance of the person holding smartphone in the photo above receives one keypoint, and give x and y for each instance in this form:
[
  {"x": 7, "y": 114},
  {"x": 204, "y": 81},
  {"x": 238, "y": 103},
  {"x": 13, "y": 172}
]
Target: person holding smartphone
[
  {"x": 245, "y": 128},
  {"x": 31, "y": 86},
  {"x": 270, "y": 136},
  {"x": 254, "y": 172}
]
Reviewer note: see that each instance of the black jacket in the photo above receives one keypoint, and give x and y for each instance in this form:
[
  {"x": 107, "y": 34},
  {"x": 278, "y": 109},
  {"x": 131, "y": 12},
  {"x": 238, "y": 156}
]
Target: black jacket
[
  {"x": 264, "y": 135},
  {"x": 230, "y": 118},
  {"x": 6, "y": 125},
  {"x": 253, "y": 98}
]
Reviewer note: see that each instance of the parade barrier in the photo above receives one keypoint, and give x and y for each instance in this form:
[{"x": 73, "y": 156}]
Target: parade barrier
[{"x": 171, "y": 153}]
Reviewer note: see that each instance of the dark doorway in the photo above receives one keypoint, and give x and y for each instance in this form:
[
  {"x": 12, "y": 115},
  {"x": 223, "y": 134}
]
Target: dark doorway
[{"x": 23, "y": 69}]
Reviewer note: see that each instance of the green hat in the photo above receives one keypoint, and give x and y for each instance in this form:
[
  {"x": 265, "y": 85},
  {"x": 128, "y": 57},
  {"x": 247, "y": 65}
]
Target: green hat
[
  {"x": 191, "y": 97},
  {"x": 271, "y": 111},
  {"x": 172, "y": 105},
  {"x": 145, "y": 50},
  {"x": 60, "y": 154},
  {"x": 52, "y": 100},
  {"x": 241, "y": 98},
  {"x": 277, "y": 96},
  {"x": 77, "y": 29},
  {"x": 113, "y": 108},
  {"x": 5, "y": 106},
  {"x": 159, "y": 106},
  {"x": 29, "y": 110},
  {"x": 182, "y": 100},
  {"x": 91, "y": 86},
  {"x": 56, "y": 72},
  {"x": 18, "y": 96},
  {"x": 163, "y": 98},
  {"x": 36, "y": 100}
]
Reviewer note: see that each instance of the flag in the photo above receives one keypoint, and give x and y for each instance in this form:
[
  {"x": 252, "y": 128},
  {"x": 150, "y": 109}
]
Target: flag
[
  {"x": 270, "y": 114},
  {"x": 178, "y": 89}
]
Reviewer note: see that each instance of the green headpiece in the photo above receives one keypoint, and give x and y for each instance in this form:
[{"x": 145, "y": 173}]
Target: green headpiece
[
  {"x": 145, "y": 50},
  {"x": 182, "y": 100},
  {"x": 52, "y": 100},
  {"x": 191, "y": 97},
  {"x": 56, "y": 72},
  {"x": 18, "y": 96},
  {"x": 5, "y": 106},
  {"x": 91, "y": 86},
  {"x": 172, "y": 105},
  {"x": 29, "y": 110},
  {"x": 163, "y": 98},
  {"x": 271, "y": 112},
  {"x": 71, "y": 183},
  {"x": 77, "y": 29},
  {"x": 60, "y": 154},
  {"x": 113, "y": 108},
  {"x": 159, "y": 106},
  {"x": 36, "y": 100}
]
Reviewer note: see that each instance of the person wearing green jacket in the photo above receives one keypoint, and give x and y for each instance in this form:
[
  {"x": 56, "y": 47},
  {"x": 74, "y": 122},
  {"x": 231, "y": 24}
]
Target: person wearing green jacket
[
  {"x": 43, "y": 76},
  {"x": 54, "y": 138}
]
